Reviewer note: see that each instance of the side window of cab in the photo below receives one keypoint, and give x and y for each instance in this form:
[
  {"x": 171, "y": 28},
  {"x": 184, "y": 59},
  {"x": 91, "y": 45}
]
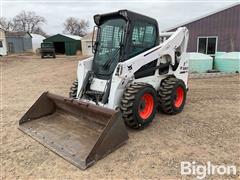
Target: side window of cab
[{"x": 143, "y": 38}]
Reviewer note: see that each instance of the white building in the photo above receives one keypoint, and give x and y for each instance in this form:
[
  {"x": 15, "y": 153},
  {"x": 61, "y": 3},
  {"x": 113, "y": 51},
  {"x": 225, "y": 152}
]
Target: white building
[
  {"x": 36, "y": 41},
  {"x": 3, "y": 44},
  {"x": 86, "y": 43}
]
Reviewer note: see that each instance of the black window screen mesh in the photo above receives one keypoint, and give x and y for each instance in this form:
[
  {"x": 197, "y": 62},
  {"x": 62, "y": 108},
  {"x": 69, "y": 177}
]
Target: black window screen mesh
[
  {"x": 110, "y": 38},
  {"x": 107, "y": 54},
  {"x": 143, "y": 38},
  {"x": 149, "y": 35}
]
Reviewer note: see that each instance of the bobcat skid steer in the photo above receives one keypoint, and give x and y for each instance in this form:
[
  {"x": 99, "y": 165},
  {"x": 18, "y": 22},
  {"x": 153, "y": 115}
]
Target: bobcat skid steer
[{"x": 134, "y": 72}]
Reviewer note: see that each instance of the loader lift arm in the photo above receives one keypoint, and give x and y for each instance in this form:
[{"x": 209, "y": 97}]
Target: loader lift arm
[{"x": 178, "y": 38}]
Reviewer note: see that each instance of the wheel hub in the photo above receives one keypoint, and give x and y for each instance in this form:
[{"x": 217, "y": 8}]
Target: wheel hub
[
  {"x": 179, "y": 96},
  {"x": 146, "y": 106},
  {"x": 142, "y": 104}
]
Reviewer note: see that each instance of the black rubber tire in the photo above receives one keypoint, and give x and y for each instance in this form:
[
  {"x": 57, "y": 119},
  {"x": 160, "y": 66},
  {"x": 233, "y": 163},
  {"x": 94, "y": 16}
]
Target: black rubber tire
[
  {"x": 130, "y": 104},
  {"x": 167, "y": 94},
  {"x": 73, "y": 89}
]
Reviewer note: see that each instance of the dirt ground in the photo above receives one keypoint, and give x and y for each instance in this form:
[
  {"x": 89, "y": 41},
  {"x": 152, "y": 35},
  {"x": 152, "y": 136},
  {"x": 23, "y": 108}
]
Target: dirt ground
[{"x": 207, "y": 130}]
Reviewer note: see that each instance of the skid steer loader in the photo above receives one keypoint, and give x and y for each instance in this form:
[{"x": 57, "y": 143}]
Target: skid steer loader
[{"x": 134, "y": 72}]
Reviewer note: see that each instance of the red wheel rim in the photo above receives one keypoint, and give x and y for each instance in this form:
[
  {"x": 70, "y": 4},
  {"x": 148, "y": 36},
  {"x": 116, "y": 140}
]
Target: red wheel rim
[
  {"x": 179, "y": 97},
  {"x": 146, "y": 105}
]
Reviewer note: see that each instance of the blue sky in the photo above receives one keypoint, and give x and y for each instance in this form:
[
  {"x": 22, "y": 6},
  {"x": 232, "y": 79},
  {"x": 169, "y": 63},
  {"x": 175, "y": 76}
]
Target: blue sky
[{"x": 167, "y": 13}]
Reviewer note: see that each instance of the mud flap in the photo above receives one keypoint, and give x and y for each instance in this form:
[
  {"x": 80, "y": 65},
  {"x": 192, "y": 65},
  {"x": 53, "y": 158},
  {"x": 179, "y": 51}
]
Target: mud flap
[{"x": 80, "y": 132}]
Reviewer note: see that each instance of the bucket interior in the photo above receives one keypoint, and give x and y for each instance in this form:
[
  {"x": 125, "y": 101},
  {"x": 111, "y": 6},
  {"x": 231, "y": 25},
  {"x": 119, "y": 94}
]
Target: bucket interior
[{"x": 69, "y": 128}]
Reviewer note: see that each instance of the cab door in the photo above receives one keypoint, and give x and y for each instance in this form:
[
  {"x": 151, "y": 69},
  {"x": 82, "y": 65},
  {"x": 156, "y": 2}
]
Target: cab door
[{"x": 144, "y": 37}]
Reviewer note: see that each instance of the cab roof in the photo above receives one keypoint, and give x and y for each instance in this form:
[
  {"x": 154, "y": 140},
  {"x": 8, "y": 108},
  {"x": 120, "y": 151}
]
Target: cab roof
[{"x": 126, "y": 14}]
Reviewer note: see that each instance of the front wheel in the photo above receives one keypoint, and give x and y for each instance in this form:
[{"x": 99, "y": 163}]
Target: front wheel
[
  {"x": 73, "y": 90},
  {"x": 138, "y": 105},
  {"x": 172, "y": 95}
]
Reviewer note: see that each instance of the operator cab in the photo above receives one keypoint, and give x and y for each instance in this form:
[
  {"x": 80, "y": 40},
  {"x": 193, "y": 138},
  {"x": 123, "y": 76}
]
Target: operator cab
[{"x": 120, "y": 36}]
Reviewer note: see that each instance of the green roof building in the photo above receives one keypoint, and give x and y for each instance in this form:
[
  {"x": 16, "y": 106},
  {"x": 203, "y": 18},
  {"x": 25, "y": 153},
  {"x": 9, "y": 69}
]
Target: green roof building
[{"x": 65, "y": 44}]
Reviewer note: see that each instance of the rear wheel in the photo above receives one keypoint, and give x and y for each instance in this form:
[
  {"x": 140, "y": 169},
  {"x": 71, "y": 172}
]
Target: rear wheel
[
  {"x": 73, "y": 89},
  {"x": 172, "y": 95},
  {"x": 138, "y": 105}
]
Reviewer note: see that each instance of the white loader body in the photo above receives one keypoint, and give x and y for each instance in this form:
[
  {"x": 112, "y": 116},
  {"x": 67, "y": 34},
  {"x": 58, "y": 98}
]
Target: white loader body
[{"x": 124, "y": 71}]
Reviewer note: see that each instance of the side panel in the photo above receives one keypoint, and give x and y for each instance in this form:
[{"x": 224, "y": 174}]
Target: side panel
[
  {"x": 15, "y": 45},
  {"x": 117, "y": 88},
  {"x": 27, "y": 41},
  {"x": 183, "y": 68},
  {"x": 83, "y": 67}
]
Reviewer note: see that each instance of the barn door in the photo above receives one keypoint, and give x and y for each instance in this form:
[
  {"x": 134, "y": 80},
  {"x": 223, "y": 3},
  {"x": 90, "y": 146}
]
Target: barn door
[{"x": 10, "y": 47}]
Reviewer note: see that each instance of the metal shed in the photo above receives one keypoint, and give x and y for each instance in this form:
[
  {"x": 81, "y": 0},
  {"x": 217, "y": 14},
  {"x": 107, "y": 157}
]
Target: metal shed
[
  {"x": 18, "y": 42},
  {"x": 65, "y": 44},
  {"x": 217, "y": 31}
]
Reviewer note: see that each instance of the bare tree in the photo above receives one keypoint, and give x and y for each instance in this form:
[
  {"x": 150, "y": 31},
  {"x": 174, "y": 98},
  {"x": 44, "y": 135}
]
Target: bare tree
[
  {"x": 76, "y": 26},
  {"x": 29, "y": 21},
  {"x": 40, "y": 31},
  {"x": 6, "y": 24}
]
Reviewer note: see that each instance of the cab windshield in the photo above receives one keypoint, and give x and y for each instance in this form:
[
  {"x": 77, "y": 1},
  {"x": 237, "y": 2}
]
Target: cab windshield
[{"x": 109, "y": 40}]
